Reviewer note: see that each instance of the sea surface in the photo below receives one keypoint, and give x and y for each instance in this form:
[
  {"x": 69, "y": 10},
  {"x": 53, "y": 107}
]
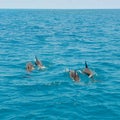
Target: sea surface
[{"x": 61, "y": 39}]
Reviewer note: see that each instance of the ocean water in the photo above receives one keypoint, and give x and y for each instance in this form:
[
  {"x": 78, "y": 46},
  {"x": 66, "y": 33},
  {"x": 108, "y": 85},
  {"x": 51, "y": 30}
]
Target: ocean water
[{"x": 61, "y": 39}]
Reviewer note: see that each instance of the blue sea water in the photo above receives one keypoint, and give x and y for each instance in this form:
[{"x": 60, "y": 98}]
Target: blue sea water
[{"x": 60, "y": 39}]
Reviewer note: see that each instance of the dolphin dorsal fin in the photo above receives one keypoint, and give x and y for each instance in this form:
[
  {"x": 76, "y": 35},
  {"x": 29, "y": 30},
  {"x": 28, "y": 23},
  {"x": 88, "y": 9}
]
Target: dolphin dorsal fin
[
  {"x": 36, "y": 58},
  {"x": 86, "y": 64}
]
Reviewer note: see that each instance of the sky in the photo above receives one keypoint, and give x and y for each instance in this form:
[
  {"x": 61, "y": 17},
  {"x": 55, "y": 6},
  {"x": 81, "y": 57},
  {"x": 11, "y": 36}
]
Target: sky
[{"x": 60, "y": 4}]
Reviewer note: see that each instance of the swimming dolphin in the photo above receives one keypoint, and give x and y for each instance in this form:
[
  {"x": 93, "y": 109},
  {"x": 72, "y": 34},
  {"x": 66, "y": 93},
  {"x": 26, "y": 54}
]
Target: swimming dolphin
[
  {"x": 74, "y": 75},
  {"x": 38, "y": 63},
  {"x": 87, "y": 71},
  {"x": 29, "y": 67}
]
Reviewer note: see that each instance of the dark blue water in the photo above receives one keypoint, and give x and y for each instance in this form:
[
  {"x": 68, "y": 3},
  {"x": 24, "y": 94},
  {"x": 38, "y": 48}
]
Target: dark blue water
[{"x": 61, "y": 39}]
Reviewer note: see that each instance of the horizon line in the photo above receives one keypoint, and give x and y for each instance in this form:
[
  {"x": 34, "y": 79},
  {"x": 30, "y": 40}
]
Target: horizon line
[{"x": 63, "y": 8}]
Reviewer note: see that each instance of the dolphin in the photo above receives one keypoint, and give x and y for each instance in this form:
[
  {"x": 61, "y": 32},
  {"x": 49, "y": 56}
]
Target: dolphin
[
  {"x": 87, "y": 71},
  {"x": 74, "y": 75},
  {"x": 29, "y": 67},
  {"x": 39, "y": 63}
]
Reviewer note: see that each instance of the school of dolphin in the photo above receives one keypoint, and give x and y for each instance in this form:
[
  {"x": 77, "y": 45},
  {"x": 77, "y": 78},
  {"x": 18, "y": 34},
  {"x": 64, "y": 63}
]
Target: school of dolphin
[{"x": 72, "y": 73}]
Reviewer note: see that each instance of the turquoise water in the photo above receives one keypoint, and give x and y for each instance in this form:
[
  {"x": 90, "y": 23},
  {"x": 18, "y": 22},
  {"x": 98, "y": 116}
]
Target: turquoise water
[{"x": 61, "y": 39}]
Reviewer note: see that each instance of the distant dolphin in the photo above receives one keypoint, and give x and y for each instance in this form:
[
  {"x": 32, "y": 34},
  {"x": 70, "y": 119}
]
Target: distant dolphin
[
  {"x": 29, "y": 67},
  {"x": 39, "y": 63},
  {"x": 73, "y": 75},
  {"x": 87, "y": 71}
]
